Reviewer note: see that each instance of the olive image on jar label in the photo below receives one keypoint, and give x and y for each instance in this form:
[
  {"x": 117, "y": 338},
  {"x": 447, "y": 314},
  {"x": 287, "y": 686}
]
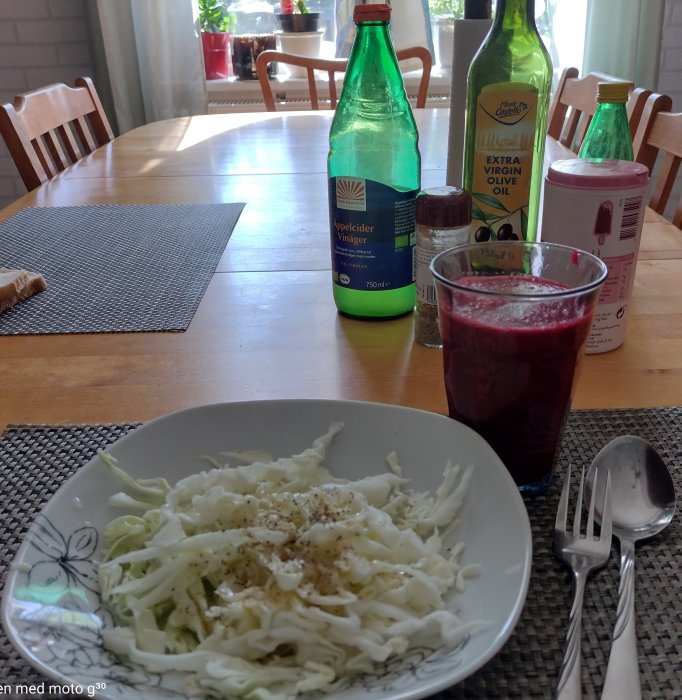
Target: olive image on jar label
[{"x": 483, "y": 234}]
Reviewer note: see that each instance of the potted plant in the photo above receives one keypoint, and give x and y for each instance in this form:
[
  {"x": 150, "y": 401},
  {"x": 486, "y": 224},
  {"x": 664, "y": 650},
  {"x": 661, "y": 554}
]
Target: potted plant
[
  {"x": 295, "y": 17},
  {"x": 299, "y": 33},
  {"x": 216, "y": 25}
]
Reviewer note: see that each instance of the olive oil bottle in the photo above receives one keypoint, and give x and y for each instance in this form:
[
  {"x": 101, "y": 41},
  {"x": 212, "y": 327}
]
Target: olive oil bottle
[{"x": 505, "y": 126}]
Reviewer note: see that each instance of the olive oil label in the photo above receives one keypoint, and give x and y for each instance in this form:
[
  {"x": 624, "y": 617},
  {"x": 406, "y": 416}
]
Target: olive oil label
[
  {"x": 506, "y": 115},
  {"x": 373, "y": 234}
]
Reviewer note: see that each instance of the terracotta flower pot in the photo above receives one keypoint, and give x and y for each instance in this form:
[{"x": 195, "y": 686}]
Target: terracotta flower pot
[{"x": 216, "y": 48}]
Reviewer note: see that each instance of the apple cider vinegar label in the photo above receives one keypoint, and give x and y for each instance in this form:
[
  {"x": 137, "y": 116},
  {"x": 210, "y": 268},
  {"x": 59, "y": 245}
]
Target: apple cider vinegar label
[
  {"x": 506, "y": 115},
  {"x": 373, "y": 234}
]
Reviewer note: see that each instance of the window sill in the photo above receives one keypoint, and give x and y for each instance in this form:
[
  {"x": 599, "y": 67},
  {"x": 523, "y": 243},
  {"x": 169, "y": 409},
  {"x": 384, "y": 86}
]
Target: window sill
[{"x": 231, "y": 94}]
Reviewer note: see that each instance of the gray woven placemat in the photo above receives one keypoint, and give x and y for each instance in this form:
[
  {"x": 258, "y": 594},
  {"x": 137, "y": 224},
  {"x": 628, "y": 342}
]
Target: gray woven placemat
[
  {"x": 34, "y": 460},
  {"x": 112, "y": 267}
]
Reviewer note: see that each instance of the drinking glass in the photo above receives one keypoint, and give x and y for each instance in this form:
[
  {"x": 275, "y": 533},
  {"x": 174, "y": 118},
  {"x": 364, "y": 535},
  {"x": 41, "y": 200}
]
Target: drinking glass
[{"x": 514, "y": 318}]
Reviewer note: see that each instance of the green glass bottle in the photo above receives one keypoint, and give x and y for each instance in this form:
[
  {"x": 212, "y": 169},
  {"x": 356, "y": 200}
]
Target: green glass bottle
[
  {"x": 505, "y": 125},
  {"x": 608, "y": 135},
  {"x": 374, "y": 177}
]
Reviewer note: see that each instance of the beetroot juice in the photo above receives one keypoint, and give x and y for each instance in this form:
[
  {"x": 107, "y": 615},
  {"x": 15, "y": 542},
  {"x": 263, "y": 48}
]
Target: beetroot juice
[{"x": 511, "y": 351}]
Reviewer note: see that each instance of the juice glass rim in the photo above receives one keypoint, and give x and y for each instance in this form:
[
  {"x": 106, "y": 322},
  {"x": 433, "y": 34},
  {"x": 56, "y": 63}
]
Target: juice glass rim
[{"x": 528, "y": 245}]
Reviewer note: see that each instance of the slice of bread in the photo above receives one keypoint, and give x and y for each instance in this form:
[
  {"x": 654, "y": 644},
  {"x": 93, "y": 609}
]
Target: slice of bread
[{"x": 16, "y": 285}]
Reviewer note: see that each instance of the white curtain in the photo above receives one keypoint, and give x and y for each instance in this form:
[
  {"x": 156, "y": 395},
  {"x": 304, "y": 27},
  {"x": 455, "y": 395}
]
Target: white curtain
[
  {"x": 153, "y": 60},
  {"x": 623, "y": 38}
]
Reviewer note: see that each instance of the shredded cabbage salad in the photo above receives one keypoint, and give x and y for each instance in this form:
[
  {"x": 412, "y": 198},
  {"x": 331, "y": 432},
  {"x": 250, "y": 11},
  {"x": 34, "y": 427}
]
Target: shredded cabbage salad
[{"x": 273, "y": 578}]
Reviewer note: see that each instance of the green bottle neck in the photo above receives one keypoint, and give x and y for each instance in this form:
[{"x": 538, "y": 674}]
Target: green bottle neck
[
  {"x": 615, "y": 106},
  {"x": 372, "y": 59},
  {"x": 371, "y": 39},
  {"x": 514, "y": 15},
  {"x": 611, "y": 113}
]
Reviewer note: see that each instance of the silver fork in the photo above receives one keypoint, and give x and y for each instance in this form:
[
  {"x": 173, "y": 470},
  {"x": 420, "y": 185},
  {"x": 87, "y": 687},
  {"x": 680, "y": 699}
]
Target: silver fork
[{"x": 583, "y": 555}]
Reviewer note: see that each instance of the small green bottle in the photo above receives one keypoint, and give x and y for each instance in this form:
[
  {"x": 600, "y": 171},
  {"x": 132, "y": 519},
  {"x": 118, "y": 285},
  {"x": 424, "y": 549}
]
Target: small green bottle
[
  {"x": 608, "y": 135},
  {"x": 374, "y": 177},
  {"x": 505, "y": 125}
]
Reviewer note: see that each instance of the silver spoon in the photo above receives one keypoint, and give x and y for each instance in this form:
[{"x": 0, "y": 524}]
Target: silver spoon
[{"x": 642, "y": 504}]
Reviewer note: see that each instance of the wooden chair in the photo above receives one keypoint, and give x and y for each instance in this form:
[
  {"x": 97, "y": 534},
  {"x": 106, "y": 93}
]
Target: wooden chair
[
  {"x": 331, "y": 67},
  {"x": 575, "y": 102},
  {"x": 663, "y": 132},
  {"x": 50, "y": 128},
  {"x": 646, "y": 152}
]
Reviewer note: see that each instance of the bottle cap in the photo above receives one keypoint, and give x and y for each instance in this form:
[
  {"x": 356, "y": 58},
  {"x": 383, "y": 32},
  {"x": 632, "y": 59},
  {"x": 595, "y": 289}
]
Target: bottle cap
[
  {"x": 613, "y": 92},
  {"x": 476, "y": 9},
  {"x": 366, "y": 13},
  {"x": 444, "y": 207},
  {"x": 598, "y": 174}
]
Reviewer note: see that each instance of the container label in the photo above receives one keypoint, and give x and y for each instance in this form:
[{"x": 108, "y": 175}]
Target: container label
[
  {"x": 503, "y": 161},
  {"x": 607, "y": 224},
  {"x": 426, "y": 288},
  {"x": 372, "y": 234},
  {"x": 426, "y": 250}
]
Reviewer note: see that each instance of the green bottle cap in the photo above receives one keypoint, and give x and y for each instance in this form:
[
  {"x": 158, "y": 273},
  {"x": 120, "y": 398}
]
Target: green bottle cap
[{"x": 613, "y": 92}]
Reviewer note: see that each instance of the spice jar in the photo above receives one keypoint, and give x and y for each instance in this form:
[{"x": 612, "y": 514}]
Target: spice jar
[{"x": 443, "y": 218}]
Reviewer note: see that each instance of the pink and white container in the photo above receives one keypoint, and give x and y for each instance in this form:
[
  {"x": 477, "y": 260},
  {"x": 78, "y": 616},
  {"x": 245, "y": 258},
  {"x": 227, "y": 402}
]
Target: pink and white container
[{"x": 598, "y": 206}]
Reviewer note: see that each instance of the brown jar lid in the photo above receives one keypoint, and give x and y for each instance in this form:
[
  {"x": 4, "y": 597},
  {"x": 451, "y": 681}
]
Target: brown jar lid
[
  {"x": 372, "y": 12},
  {"x": 444, "y": 207}
]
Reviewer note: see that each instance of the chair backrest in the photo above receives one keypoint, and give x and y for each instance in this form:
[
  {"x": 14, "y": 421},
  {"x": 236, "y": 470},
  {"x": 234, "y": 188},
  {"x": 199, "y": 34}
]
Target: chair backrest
[
  {"x": 575, "y": 102},
  {"x": 50, "y": 128},
  {"x": 331, "y": 67},
  {"x": 663, "y": 132}
]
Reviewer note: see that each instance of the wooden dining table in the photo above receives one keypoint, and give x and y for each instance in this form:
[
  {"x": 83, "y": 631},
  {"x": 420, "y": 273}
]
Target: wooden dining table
[{"x": 267, "y": 326}]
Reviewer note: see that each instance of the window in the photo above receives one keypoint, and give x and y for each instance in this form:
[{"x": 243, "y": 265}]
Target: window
[
  {"x": 561, "y": 24},
  {"x": 256, "y": 16}
]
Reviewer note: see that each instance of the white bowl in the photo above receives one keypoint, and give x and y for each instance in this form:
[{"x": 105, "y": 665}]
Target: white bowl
[{"x": 51, "y": 608}]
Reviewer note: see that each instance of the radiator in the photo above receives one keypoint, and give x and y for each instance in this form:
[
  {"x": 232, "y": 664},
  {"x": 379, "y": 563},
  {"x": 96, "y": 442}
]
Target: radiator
[{"x": 297, "y": 103}]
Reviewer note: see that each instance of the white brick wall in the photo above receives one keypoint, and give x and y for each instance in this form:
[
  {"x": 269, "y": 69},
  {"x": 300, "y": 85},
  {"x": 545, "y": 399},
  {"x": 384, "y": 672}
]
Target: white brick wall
[{"x": 41, "y": 42}]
